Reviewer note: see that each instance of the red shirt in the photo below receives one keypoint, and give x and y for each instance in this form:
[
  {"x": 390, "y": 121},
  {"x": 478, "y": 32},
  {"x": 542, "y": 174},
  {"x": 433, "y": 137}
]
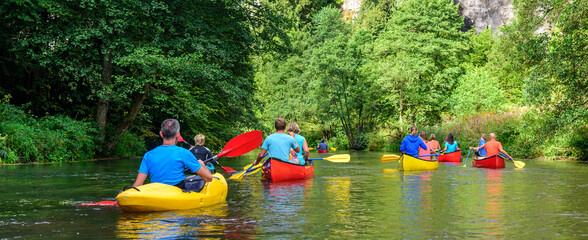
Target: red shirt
[{"x": 493, "y": 147}]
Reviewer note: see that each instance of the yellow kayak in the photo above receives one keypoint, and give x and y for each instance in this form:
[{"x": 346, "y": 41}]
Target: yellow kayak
[
  {"x": 410, "y": 163},
  {"x": 162, "y": 197}
]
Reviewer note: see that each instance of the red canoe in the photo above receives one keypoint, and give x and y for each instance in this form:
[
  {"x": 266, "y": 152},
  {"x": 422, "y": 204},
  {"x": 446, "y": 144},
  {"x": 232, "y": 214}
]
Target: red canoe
[
  {"x": 489, "y": 162},
  {"x": 277, "y": 171},
  {"x": 450, "y": 157},
  {"x": 322, "y": 151}
]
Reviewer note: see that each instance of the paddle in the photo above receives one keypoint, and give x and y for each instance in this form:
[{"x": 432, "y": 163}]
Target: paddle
[
  {"x": 466, "y": 162},
  {"x": 334, "y": 149},
  {"x": 247, "y": 169},
  {"x": 429, "y": 155},
  {"x": 518, "y": 164},
  {"x": 226, "y": 169},
  {"x": 390, "y": 158},
  {"x": 339, "y": 158},
  {"x": 310, "y": 148}
]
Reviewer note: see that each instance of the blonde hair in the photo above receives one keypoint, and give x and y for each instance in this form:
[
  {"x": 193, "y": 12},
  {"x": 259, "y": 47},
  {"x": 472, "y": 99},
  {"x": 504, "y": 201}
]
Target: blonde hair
[
  {"x": 293, "y": 127},
  {"x": 432, "y": 137},
  {"x": 199, "y": 139}
]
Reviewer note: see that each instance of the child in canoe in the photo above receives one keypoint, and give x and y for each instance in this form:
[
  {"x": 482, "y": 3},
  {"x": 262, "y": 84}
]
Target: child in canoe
[
  {"x": 450, "y": 144},
  {"x": 425, "y": 152}
]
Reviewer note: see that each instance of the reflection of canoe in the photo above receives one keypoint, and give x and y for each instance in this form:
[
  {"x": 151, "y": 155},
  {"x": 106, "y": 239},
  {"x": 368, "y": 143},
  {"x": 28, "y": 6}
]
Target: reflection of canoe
[
  {"x": 175, "y": 224},
  {"x": 322, "y": 151},
  {"x": 450, "y": 157},
  {"x": 410, "y": 163},
  {"x": 489, "y": 162},
  {"x": 277, "y": 171},
  {"x": 163, "y": 197}
]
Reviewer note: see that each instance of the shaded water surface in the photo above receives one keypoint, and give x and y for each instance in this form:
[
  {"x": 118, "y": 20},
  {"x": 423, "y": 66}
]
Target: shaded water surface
[{"x": 363, "y": 198}]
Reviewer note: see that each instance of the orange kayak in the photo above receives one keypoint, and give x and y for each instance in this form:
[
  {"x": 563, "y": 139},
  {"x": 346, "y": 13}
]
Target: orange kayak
[{"x": 276, "y": 171}]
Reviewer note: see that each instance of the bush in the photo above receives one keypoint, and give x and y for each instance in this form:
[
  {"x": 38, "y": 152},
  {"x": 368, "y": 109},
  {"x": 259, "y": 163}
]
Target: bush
[
  {"x": 47, "y": 139},
  {"x": 130, "y": 145}
]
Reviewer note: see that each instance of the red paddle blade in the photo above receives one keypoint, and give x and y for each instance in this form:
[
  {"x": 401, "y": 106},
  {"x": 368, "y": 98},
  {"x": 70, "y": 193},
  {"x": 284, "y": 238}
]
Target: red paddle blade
[
  {"x": 228, "y": 169},
  {"x": 242, "y": 144},
  {"x": 181, "y": 139},
  {"x": 102, "y": 203}
]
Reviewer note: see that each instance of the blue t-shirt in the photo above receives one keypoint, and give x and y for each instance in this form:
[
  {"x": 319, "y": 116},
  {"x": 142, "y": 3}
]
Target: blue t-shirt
[
  {"x": 300, "y": 140},
  {"x": 451, "y": 147},
  {"x": 166, "y": 163},
  {"x": 322, "y": 146},
  {"x": 482, "y": 151},
  {"x": 278, "y": 145}
]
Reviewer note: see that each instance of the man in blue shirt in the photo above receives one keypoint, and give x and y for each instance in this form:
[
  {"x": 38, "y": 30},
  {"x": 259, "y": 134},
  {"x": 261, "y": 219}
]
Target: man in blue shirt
[
  {"x": 322, "y": 145},
  {"x": 166, "y": 163},
  {"x": 411, "y": 143},
  {"x": 278, "y": 145}
]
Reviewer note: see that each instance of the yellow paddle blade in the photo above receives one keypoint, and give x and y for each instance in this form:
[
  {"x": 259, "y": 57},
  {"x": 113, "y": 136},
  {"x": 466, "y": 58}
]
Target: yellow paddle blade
[
  {"x": 334, "y": 149},
  {"x": 389, "y": 158},
  {"x": 519, "y": 164},
  {"x": 254, "y": 170},
  {"x": 240, "y": 174},
  {"x": 341, "y": 158},
  {"x": 310, "y": 148}
]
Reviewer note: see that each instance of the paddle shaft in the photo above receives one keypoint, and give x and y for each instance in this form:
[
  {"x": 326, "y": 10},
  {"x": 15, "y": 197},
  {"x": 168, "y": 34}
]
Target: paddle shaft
[{"x": 466, "y": 163}]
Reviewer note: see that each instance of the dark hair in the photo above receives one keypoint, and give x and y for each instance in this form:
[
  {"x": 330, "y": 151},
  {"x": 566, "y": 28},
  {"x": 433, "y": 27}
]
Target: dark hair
[
  {"x": 432, "y": 137},
  {"x": 450, "y": 138},
  {"x": 322, "y": 140},
  {"x": 280, "y": 124},
  {"x": 484, "y": 136},
  {"x": 170, "y": 128},
  {"x": 413, "y": 128},
  {"x": 423, "y": 136}
]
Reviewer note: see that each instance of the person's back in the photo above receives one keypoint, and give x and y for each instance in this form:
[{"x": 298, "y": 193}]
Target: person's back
[
  {"x": 434, "y": 145},
  {"x": 482, "y": 151},
  {"x": 322, "y": 146},
  {"x": 165, "y": 164},
  {"x": 410, "y": 145},
  {"x": 424, "y": 152},
  {"x": 451, "y": 147},
  {"x": 201, "y": 152},
  {"x": 278, "y": 145},
  {"x": 300, "y": 140},
  {"x": 493, "y": 147}
]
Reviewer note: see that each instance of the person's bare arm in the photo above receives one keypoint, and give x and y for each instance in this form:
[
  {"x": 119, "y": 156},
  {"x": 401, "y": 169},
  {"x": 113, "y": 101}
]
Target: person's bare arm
[
  {"x": 260, "y": 156},
  {"x": 140, "y": 179},
  {"x": 204, "y": 172},
  {"x": 305, "y": 149},
  {"x": 504, "y": 152},
  {"x": 297, "y": 150}
]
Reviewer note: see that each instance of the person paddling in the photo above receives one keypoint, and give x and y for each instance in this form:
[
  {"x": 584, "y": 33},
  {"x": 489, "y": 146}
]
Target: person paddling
[
  {"x": 411, "y": 143},
  {"x": 494, "y": 147},
  {"x": 201, "y": 152},
  {"x": 424, "y": 152},
  {"x": 165, "y": 164},
  {"x": 302, "y": 156},
  {"x": 278, "y": 145},
  {"x": 322, "y": 146},
  {"x": 450, "y": 144},
  {"x": 481, "y": 149}
]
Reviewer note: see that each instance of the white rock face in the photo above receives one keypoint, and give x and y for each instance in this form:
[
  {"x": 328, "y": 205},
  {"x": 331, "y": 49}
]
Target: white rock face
[{"x": 485, "y": 13}]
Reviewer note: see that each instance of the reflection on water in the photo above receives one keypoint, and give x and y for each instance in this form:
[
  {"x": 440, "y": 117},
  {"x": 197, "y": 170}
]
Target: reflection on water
[
  {"x": 362, "y": 199},
  {"x": 172, "y": 224},
  {"x": 494, "y": 203}
]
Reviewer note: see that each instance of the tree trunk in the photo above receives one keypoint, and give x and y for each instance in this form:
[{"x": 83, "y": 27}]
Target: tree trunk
[
  {"x": 125, "y": 123},
  {"x": 103, "y": 103}
]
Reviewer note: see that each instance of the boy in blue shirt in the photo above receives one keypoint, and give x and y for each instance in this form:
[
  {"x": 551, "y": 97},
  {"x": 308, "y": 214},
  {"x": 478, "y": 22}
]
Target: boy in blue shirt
[
  {"x": 278, "y": 145},
  {"x": 411, "y": 143},
  {"x": 166, "y": 163}
]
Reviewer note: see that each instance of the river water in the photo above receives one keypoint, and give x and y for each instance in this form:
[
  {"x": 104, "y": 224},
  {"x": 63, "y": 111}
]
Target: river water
[{"x": 360, "y": 199}]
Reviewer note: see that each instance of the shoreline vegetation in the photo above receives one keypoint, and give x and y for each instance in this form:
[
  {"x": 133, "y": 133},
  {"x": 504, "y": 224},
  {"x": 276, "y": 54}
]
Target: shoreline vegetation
[{"x": 224, "y": 67}]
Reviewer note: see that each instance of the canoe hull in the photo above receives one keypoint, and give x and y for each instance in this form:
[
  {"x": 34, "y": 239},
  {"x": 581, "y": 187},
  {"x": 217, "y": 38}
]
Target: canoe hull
[
  {"x": 489, "y": 162},
  {"x": 162, "y": 197},
  {"x": 450, "y": 157},
  {"x": 278, "y": 171},
  {"x": 322, "y": 151},
  {"x": 410, "y": 163}
]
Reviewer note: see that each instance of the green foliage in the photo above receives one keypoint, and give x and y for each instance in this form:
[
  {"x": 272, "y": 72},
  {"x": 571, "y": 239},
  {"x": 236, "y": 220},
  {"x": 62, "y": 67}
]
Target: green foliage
[
  {"x": 477, "y": 91},
  {"x": 47, "y": 139},
  {"x": 130, "y": 145}
]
